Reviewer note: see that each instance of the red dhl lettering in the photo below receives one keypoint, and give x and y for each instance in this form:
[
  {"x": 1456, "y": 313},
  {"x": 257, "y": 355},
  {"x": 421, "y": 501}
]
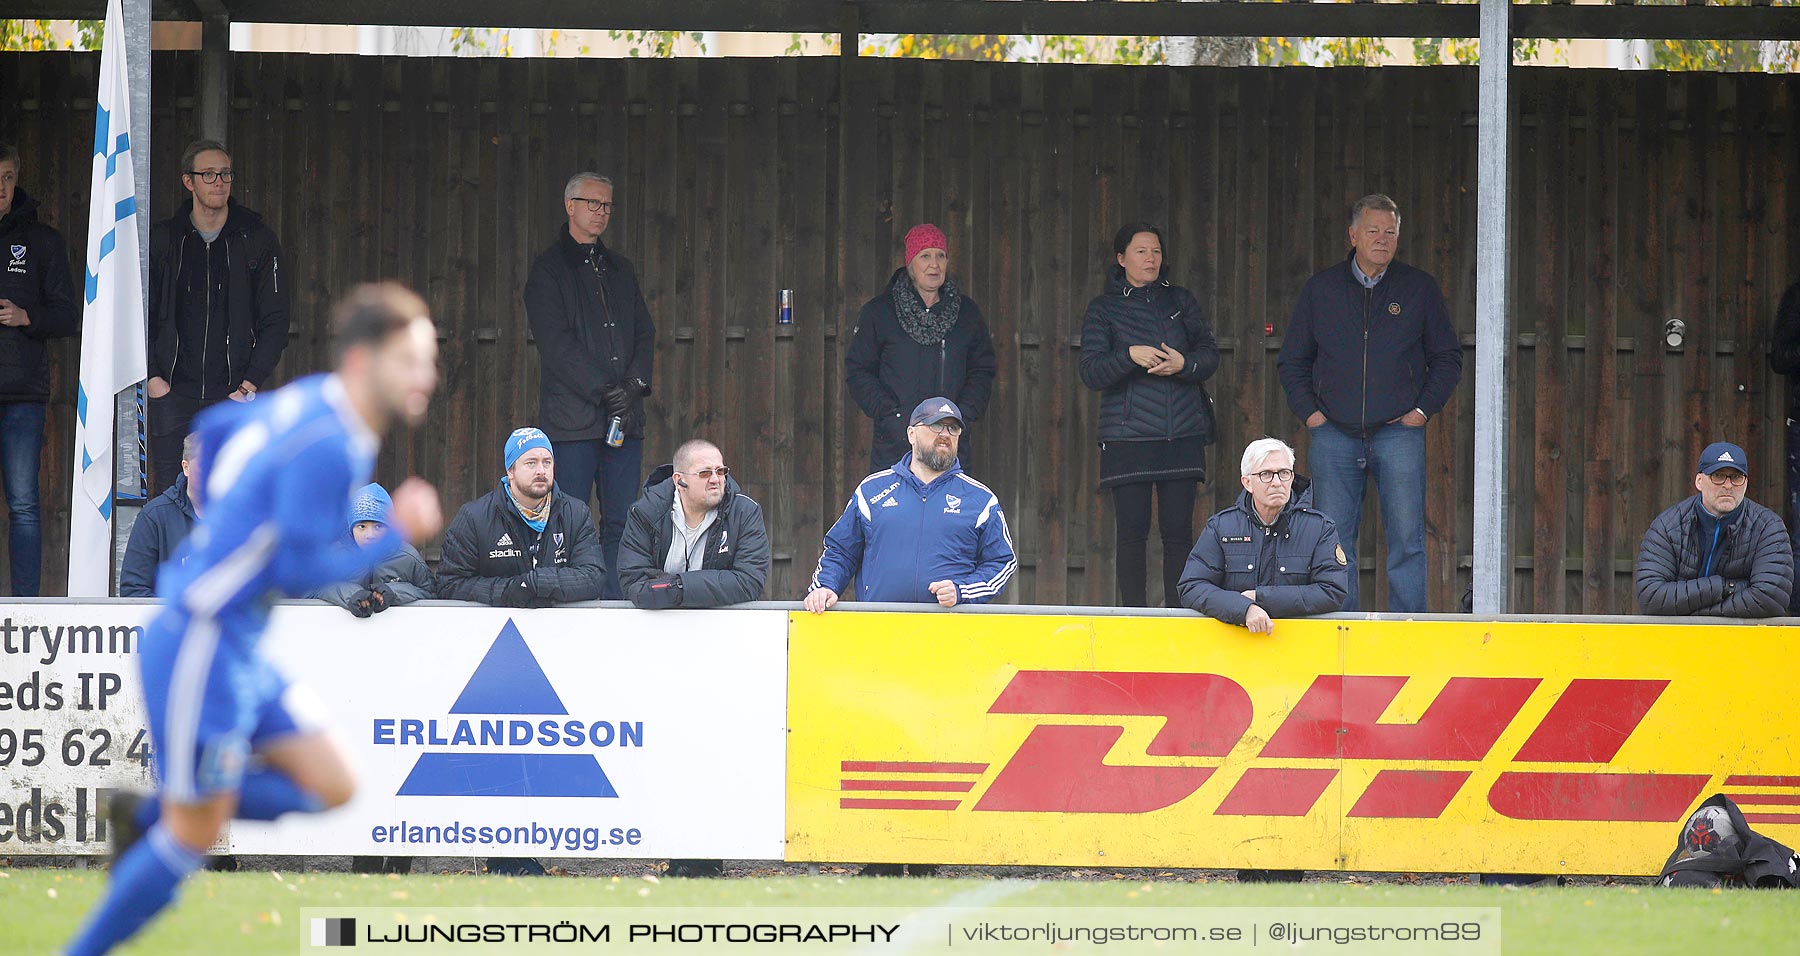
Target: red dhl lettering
[{"x": 1062, "y": 768}]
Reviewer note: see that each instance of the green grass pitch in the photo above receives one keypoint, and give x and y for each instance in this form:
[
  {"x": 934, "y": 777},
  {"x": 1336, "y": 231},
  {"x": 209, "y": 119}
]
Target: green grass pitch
[{"x": 226, "y": 914}]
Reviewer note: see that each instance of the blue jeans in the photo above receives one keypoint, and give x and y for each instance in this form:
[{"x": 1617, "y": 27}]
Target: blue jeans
[
  {"x": 21, "y": 446},
  {"x": 1793, "y": 491},
  {"x": 1395, "y": 457},
  {"x": 586, "y": 467}
]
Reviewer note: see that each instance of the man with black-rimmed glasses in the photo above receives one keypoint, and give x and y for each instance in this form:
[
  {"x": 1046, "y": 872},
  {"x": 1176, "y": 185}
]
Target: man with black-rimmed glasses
[
  {"x": 1716, "y": 552},
  {"x": 218, "y": 306},
  {"x": 1271, "y": 554}
]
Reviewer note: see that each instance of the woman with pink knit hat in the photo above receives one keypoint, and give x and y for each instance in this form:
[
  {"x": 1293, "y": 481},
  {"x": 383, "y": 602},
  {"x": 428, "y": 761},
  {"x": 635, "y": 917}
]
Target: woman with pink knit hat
[{"x": 921, "y": 337}]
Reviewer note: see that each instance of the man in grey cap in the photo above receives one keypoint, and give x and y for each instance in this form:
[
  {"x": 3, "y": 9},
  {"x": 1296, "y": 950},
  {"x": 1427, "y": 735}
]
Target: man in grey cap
[{"x": 1716, "y": 553}]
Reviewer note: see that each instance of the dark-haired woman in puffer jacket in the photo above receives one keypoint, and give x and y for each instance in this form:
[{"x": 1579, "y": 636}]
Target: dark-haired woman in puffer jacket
[{"x": 1147, "y": 348}]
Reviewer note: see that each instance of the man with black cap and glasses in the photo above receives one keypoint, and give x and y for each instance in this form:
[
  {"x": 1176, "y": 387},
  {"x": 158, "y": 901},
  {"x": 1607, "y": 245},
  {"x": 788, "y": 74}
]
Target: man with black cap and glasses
[
  {"x": 919, "y": 532},
  {"x": 1717, "y": 552}
]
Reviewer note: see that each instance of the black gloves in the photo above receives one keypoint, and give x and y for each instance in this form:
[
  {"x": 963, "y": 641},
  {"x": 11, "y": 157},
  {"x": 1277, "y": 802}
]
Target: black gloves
[
  {"x": 618, "y": 401},
  {"x": 640, "y": 386},
  {"x": 521, "y": 591},
  {"x": 371, "y": 600},
  {"x": 662, "y": 593}
]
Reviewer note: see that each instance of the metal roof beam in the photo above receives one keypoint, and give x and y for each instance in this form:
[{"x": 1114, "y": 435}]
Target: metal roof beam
[{"x": 1017, "y": 17}]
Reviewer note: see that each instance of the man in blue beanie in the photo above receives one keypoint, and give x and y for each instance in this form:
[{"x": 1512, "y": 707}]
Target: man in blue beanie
[{"x": 524, "y": 544}]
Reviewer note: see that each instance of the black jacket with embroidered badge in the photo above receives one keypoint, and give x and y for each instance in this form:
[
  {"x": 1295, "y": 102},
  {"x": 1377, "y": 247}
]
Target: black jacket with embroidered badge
[
  {"x": 491, "y": 556},
  {"x": 1295, "y": 566},
  {"x": 34, "y": 275}
]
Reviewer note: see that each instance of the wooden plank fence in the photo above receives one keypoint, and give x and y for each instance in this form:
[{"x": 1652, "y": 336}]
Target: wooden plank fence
[{"x": 1640, "y": 197}]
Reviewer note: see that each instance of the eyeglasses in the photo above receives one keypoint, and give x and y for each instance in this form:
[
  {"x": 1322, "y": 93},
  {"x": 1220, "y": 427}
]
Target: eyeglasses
[
  {"x": 1722, "y": 478},
  {"x": 945, "y": 428},
  {"x": 706, "y": 474},
  {"x": 595, "y": 205},
  {"x": 210, "y": 176},
  {"x": 1284, "y": 476}
]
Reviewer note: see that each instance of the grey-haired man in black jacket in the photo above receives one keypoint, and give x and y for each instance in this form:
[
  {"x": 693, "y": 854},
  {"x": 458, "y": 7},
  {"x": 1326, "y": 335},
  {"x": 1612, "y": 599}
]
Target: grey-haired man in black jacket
[
  {"x": 1270, "y": 555},
  {"x": 597, "y": 347}
]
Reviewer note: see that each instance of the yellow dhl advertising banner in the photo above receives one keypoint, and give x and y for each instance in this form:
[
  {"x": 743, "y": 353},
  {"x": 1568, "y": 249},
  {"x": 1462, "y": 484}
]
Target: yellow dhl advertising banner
[{"x": 1357, "y": 745}]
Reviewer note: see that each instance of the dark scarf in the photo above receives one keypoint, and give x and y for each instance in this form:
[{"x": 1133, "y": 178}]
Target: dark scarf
[{"x": 924, "y": 326}]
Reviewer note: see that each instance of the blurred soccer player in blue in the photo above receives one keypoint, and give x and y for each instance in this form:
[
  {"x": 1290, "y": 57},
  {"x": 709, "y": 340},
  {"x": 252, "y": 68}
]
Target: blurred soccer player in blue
[{"x": 233, "y": 739}]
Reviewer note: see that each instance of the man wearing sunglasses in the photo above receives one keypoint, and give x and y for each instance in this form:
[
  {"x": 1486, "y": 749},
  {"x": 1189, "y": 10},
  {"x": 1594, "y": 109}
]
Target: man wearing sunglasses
[
  {"x": 1270, "y": 555},
  {"x": 1717, "y": 553},
  {"x": 694, "y": 539},
  {"x": 218, "y": 306}
]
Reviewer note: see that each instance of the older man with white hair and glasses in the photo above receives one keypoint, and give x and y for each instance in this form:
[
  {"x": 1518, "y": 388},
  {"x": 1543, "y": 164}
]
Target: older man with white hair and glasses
[{"x": 1271, "y": 554}]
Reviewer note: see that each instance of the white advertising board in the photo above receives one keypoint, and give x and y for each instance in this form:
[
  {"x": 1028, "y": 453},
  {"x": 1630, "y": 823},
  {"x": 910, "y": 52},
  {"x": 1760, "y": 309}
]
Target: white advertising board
[
  {"x": 71, "y": 722},
  {"x": 481, "y": 731}
]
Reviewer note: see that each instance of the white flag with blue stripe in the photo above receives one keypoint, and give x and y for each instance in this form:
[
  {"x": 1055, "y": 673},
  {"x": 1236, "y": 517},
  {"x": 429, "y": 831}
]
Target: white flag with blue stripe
[{"x": 113, "y": 323}]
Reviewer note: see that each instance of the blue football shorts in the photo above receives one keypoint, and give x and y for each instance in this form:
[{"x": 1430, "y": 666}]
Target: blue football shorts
[{"x": 212, "y": 702}]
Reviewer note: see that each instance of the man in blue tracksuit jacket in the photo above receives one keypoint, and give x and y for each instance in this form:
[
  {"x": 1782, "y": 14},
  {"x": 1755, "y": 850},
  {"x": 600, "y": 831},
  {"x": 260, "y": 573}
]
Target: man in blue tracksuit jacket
[{"x": 921, "y": 531}]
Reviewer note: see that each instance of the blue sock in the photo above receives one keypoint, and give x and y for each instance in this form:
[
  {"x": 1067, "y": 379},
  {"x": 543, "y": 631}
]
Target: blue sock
[
  {"x": 267, "y": 794},
  {"x": 149, "y": 810},
  {"x": 143, "y": 882}
]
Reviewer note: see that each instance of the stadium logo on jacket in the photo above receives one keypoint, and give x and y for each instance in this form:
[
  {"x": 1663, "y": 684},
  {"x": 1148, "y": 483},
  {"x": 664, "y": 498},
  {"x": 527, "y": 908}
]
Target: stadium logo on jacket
[
  {"x": 952, "y": 505},
  {"x": 18, "y": 260},
  {"x": 547, "y": 757}
]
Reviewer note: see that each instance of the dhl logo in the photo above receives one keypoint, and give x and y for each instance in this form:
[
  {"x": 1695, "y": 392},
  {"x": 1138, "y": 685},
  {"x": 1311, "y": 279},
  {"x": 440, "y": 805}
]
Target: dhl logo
[{"x": 1062, "y": 768}]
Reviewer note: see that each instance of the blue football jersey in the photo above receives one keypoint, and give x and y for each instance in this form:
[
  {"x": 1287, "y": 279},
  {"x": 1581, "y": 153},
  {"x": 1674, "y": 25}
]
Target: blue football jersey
[{"x": 275, "y": 482}]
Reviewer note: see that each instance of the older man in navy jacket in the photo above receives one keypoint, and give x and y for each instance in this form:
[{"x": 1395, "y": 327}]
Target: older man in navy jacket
[
  {"x": 921, "y": 531},
  {"x": 1270, "y": 555},
  {"x": 1371, "y": 354}
]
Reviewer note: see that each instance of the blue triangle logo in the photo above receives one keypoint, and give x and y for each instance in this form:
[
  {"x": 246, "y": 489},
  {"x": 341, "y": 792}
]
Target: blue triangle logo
[{"x": 509, "y": 680}]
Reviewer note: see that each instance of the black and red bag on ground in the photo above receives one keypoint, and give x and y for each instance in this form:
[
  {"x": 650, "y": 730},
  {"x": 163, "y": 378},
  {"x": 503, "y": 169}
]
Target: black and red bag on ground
[{"x": 1717, "y": 848}]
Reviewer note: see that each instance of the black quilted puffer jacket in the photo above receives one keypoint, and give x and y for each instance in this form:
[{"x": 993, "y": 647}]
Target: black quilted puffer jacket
[
  {"x": 1138, "y": 406},
  {"x": 1752, "y": 572}
]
